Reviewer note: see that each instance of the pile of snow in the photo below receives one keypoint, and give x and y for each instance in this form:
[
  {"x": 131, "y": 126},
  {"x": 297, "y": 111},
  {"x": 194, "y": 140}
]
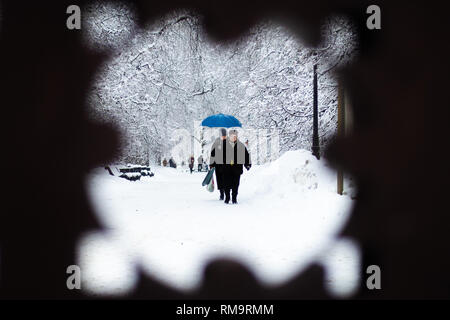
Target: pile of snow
[
  {"x": 287, "y": 216},
  {"x": 293, "y": 173}
]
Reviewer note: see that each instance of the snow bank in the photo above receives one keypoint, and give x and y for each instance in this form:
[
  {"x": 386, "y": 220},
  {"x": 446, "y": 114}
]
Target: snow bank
[{"x": 294, "y": 172}]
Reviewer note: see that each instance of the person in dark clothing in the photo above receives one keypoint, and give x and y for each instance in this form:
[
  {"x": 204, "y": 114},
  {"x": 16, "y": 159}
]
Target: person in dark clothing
[
  {"x": 172, "y": 163},
  {"x": 237, "y": 157},
  {"x": 217, "y": 159},
  {"x": 191, "y": 163}
]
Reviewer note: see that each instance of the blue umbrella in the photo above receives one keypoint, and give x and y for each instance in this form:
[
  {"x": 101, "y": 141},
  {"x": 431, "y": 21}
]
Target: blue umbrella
[{"x": 221, "y": 121}]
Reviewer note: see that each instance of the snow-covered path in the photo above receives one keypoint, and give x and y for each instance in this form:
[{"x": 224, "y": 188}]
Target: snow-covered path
[{"x": 288, "y": 213}]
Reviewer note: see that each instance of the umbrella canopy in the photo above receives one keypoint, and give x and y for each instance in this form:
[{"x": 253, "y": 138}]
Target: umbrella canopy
[{"x": 221, "y": 121}]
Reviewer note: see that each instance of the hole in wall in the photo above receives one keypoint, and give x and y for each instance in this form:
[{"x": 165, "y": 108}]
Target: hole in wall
[{"x": 158, "y": 84}]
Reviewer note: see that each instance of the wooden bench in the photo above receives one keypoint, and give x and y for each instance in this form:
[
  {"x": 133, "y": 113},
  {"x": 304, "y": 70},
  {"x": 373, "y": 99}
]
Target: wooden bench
[{"x": 131, "y": 173}]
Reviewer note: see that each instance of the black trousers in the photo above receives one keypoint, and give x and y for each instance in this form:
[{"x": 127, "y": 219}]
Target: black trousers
[
  {"x": 233, "y": 186},
  {"x": 219, "y": 177}
]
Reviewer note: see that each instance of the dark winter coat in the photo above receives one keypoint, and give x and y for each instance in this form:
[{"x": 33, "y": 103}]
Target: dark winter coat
[
  {"x": 217, "y": 159},
  {"x": 237, "y": 157}
]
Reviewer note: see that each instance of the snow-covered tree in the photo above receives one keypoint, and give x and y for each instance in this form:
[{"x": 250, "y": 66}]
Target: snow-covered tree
[{"x": 163, "y": 78}]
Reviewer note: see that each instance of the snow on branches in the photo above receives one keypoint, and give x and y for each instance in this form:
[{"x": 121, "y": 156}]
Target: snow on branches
[{"x": 169, "y": 75}]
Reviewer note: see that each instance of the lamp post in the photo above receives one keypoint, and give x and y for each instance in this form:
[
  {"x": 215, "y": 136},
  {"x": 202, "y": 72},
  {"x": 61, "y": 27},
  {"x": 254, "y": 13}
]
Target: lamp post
[
  {"x": 315, "y": 142},
  {"x": 341, "y": 131}
]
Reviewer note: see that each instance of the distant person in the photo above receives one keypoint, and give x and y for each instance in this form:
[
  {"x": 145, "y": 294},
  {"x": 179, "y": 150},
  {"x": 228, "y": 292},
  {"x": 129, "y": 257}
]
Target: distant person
[
  {"x": 191, "y": 163},
  {"x": 164, "y": 163},
  {"x": 237, "y": 157},
  {"x": 172, "y": 163},
  {"x": 200, "y": 163},
  {"x": 217, "y": 159}
]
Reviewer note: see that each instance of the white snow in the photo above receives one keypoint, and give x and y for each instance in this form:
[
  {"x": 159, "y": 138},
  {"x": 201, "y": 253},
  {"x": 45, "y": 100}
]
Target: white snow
[{"x": 287, "y": 216}]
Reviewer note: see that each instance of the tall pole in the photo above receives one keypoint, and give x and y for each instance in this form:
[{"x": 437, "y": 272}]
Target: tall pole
[
  {"x": 315, "y": 142},
  {"x": 341, "y": 132}
]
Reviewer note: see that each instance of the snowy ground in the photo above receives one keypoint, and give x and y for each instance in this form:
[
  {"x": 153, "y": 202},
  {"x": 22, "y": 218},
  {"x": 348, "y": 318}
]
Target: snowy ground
[{"x": 287, "y": 216}]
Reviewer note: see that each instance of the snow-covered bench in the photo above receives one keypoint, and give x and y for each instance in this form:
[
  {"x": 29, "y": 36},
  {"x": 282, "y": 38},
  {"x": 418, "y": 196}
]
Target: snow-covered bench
[{"x": 130, "y": 172}]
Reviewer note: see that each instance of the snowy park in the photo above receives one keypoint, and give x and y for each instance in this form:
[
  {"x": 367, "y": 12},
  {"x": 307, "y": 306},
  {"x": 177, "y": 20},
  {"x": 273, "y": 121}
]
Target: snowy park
[
  {"x": 159, "y": 82},
  {"x": 287, "y": 217}
]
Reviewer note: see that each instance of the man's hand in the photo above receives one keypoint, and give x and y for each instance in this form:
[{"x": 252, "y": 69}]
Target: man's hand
[{"x": 248, "y": 167}]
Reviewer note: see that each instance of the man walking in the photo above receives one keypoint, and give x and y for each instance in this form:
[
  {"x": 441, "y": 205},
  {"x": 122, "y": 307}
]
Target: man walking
[
  {"x": 237, "y": 157},
  {"x": 217, "y": 159}
]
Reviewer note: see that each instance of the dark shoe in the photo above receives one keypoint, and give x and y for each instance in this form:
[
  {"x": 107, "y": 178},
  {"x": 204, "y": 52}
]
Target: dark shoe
[
  {"x": 222, "y": 195},
  {"x": 227, "y": 199},
  {"x": 234, "y": 201}
]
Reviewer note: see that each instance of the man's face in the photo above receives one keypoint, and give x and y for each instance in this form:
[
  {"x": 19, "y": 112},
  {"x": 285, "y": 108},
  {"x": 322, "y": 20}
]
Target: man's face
[{"x": 233, "y": 137}]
